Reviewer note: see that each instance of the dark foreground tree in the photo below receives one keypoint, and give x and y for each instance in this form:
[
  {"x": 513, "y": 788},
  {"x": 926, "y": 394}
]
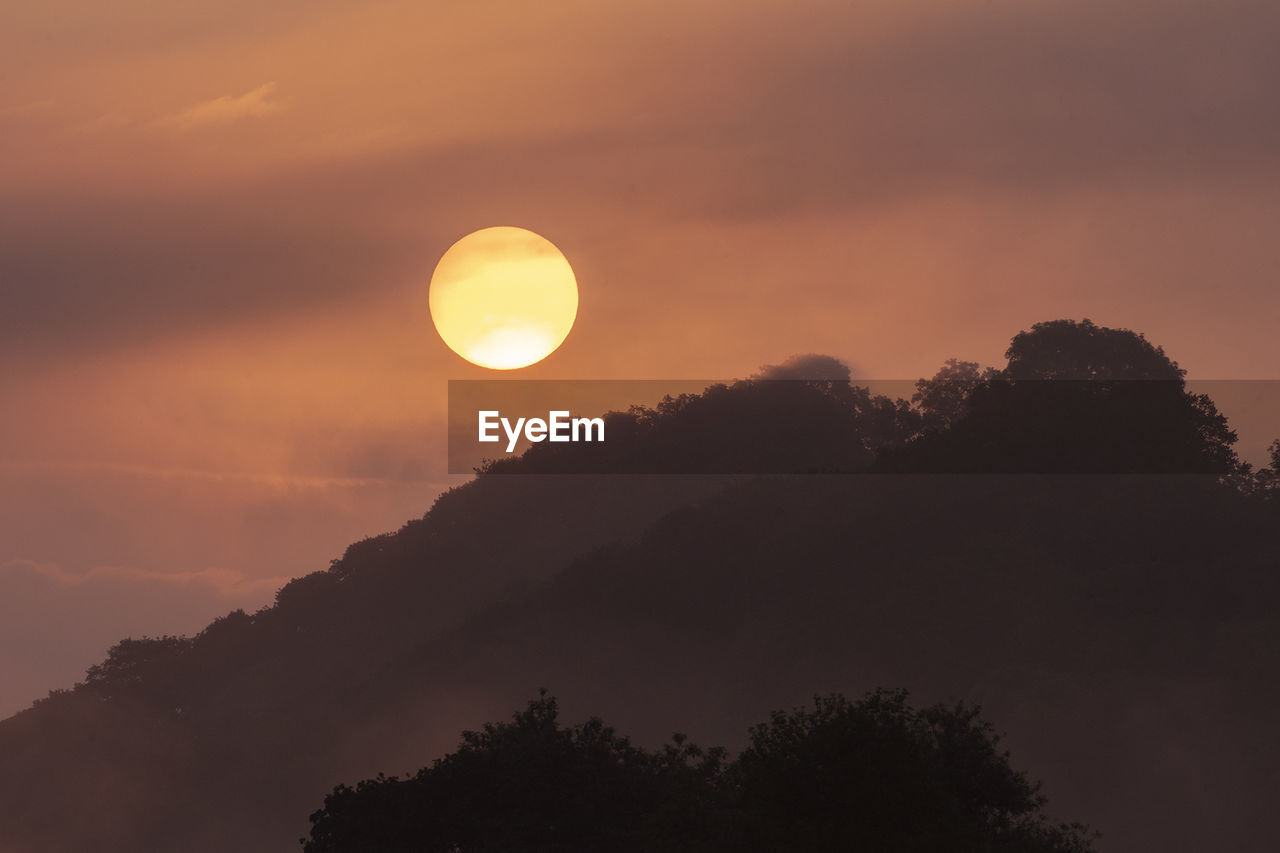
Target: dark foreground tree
[
  {"x": 531, "y": 785},
  {"x": 874, "y": 775},
  {"x": 879, "y": 775}
]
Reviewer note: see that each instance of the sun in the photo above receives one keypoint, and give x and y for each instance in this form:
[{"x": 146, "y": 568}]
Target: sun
[{"x": 503, "y": 297}]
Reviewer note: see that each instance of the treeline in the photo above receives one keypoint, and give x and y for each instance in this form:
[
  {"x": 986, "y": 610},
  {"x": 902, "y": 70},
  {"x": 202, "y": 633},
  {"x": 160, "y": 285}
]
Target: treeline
[
  {"x": 1074, "y": 398},
  {"x": 876, "y": 774}
]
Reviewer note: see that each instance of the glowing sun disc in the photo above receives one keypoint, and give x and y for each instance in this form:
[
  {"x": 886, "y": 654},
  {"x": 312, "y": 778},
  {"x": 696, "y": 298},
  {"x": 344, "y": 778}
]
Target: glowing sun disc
[{"x": 503, "y": 297}]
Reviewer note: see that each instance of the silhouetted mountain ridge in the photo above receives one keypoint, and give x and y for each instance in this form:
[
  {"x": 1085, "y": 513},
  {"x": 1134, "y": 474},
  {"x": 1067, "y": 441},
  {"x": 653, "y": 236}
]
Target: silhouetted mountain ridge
[{"x": 1063, "y": 602}]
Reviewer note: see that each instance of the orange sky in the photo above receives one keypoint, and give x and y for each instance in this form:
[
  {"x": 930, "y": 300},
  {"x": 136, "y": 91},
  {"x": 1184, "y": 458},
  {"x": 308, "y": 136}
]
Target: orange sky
[{"x": 218, "y": 221}]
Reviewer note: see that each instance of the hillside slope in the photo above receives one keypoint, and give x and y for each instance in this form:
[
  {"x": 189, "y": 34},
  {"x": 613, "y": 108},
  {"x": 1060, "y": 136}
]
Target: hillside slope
[{"x": 1122, "y": 627}]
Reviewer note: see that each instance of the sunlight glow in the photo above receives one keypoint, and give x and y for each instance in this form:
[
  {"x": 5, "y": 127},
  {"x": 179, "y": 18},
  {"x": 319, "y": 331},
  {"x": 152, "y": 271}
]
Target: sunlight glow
[{"x": 503, "y": 298}]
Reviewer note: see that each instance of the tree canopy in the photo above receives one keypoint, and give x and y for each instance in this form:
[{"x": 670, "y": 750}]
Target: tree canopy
[
  {"x": 1074, "y": 398},
  {"x": 876, "y": 774},
  {"x": 1067, "y": 349}
]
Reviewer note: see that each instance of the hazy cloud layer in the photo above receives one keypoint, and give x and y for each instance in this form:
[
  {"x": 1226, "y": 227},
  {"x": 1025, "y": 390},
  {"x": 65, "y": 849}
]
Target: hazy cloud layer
[
  {"x": 253, "y": 104},
  {"x": 847, "y": 111}
]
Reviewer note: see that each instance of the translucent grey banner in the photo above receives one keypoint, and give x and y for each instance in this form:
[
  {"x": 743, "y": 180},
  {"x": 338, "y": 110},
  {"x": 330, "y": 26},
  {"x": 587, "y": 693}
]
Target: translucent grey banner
[{"x": 775, "y": 426}]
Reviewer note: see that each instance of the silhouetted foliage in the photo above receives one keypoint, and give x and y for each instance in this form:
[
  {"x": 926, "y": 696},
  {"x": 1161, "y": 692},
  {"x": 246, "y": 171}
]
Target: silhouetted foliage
[
  {"x": 1269, "y": 477},
  {"x": 754, "y": 426},
  {"x": 870, "y": 775},
  {"x": 943, "y": 400},
  {"x": 312, "y": 587},
  {"x": 1079, "y": 351},
  {"x": 880, "y": 775},
  {"x": 136, "y": 664},
  {"x": 1271, "y": 474},
  {"x": 762, "y": 425},
  {"x": 1075, "y": 398},
  {"x": 1263, "y": 483},
  {"x": 531, "y": 785}
]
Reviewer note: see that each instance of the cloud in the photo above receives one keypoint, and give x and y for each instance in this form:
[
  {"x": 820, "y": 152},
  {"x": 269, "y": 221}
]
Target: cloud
[
  {"x": 226, "y": 583},
  {"x": 1016, "y": 103},
  {"x": 253, "y": 104}
]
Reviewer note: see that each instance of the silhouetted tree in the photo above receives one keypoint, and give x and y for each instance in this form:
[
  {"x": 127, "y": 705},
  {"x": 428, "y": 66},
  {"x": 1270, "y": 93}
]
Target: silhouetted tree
[
  {"x": 1075, "y": 398},
  {"x": 1066, "y": 349},
  {"x": 530, "y": 785},
  {"x": 942, "y": 400},
  {"x": 879, "y": 775}
]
